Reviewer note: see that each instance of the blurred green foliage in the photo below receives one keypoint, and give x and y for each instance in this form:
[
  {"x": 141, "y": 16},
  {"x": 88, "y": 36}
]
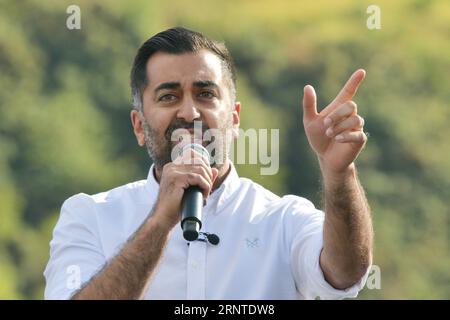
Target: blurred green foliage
[{"x": 65, "y": 102}]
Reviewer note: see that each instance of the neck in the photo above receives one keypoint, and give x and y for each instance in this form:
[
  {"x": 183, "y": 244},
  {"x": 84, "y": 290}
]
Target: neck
[{"x": 222, "y": 175}]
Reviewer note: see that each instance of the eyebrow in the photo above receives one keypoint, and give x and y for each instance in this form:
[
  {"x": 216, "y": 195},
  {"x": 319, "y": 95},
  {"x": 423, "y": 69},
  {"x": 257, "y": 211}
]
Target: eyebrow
[
  {"x": 206, "y": 84},
  {"x": 167, "y": 85},
  {"x": 176, "y": 85}
]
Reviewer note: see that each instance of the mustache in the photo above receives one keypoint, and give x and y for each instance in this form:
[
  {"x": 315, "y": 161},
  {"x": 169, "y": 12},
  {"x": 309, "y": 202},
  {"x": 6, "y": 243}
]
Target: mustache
[{"x": 182, "y": 124}]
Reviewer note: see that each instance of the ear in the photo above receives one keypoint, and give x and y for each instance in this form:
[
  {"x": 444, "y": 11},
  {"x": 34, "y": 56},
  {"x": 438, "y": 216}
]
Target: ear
[
  {"x": 236, "y": 119},
  {"x": 136, "y": 121}
]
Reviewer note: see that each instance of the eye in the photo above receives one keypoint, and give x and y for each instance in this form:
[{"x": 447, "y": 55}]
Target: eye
[
  {"x": 206, "y": 94},
  {"x": 167, "y": 97}
]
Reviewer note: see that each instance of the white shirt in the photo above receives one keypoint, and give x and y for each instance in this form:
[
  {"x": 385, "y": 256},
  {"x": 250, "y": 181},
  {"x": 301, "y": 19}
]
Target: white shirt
[{"x": 269, "y": 246}]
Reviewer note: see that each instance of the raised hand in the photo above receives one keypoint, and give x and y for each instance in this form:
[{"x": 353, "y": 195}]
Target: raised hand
[{"x": 335, "y": 133}]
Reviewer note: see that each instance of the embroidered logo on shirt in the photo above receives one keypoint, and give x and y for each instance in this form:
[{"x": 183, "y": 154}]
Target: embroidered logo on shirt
[{"x": 252, "y": 243}]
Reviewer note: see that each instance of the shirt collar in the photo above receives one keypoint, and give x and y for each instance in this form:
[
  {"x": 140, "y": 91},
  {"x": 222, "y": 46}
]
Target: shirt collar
[{"x": 219, "y": 197}]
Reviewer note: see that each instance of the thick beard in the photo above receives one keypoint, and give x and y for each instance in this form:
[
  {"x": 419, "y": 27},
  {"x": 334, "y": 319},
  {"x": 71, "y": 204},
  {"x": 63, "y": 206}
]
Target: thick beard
[
  {"x": 222, "y": 145},
  {"x": 159, "y": 148}
]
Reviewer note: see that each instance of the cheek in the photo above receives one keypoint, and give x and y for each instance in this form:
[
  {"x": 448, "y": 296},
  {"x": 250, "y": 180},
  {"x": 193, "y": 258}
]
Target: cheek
[
  {"x": 159, "y": 120},
  {"x": 226, "y": 120},
  {"x": 217, "y": 119}
]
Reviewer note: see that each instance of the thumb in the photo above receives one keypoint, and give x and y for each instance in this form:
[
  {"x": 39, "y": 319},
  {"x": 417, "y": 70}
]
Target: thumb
[{"x": 309, "y": 103}]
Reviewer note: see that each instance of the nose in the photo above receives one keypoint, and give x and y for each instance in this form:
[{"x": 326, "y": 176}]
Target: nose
[{"x": 188, "y": 111}]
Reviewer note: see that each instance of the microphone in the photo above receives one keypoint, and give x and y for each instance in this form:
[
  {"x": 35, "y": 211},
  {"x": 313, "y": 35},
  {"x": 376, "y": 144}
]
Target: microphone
[
  {"x": 191, "y": 214},
  {"x": 208, "y": 237}
]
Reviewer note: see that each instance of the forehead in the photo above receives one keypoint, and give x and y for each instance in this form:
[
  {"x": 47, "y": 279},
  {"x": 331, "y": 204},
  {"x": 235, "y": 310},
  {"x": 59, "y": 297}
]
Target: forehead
[{"x": 184, "y": 68}]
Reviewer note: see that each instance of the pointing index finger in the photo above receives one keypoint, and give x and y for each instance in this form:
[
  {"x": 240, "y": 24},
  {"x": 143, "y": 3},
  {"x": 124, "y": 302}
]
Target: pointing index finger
[{"x": 350, "y": 88}]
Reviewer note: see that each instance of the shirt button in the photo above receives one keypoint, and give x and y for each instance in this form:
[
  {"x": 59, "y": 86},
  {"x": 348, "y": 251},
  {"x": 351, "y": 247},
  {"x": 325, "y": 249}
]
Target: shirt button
[{"x": 194, "y": 264}]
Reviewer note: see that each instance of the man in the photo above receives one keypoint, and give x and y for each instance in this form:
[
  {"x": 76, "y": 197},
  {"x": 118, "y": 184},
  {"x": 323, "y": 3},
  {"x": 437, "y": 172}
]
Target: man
[{"x": 127, "y": 243}]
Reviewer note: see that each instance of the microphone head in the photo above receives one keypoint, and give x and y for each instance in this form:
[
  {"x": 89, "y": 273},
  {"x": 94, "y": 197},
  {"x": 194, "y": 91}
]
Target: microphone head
[
  {"x": 213, "y": 238},
  {"x": 198, "y": 148}
]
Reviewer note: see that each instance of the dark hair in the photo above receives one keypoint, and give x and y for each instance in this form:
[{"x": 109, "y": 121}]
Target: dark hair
[{"x": 176, "y": 41}]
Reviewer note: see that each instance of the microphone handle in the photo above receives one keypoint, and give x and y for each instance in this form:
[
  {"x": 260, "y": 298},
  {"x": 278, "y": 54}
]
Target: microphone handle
[{"x": 191, "y": 216}]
